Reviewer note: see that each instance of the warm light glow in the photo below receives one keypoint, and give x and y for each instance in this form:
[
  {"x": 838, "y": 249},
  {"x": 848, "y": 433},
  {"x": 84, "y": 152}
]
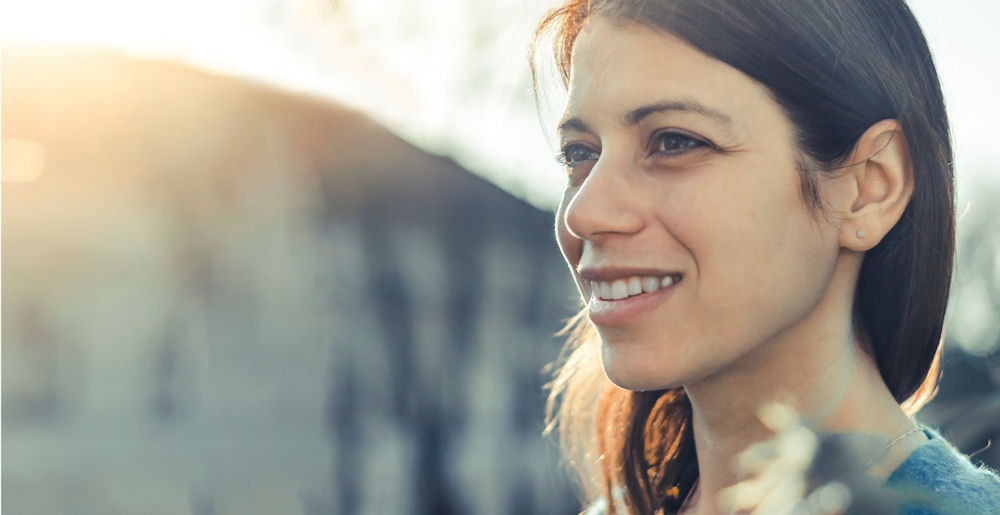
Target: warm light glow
[
  {"x": 120, "y": 23},
  {"x": 23, "y": 160},
  {"x": 449, "y": 75}
]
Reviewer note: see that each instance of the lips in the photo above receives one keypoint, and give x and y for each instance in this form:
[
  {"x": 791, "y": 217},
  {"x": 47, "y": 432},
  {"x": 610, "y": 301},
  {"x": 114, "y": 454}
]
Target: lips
[
  {"x": 619, "y": 295},
  {"x": 617, "y": 283}
]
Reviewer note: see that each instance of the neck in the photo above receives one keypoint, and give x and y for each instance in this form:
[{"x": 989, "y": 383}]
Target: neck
[{"x": 819, "y": 369}]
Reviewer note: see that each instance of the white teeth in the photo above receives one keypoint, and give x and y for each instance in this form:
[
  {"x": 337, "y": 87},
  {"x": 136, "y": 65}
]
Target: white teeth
[
  {"x": 634, "y": 286},
  {"x": 619, "y": 290},
  {"x": 627, "y": 287}
]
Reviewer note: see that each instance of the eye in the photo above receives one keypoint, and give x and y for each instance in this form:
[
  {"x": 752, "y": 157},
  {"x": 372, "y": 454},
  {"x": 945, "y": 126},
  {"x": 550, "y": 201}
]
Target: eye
[
  {"x": 575, "y": 154},
  {"x": 577, "y": 158},
  {"x": 671, "y": 142}
]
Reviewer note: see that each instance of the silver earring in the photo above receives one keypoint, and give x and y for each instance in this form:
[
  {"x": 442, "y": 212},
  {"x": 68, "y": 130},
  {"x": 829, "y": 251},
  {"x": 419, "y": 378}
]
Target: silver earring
[{"x": 861, "y": 234}]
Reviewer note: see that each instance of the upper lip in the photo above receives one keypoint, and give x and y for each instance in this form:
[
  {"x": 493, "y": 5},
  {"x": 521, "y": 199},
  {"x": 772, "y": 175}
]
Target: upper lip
[{"x": 614, "y": 273}]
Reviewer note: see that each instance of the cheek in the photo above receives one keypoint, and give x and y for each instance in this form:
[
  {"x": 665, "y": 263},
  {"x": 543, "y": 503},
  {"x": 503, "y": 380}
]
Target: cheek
[
  {"x": 751, "y": 231},
  {"x": 768, "y": 257}
]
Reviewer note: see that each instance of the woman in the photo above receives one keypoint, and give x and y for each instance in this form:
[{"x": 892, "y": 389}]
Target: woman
[{"x": 759, "y": 208}]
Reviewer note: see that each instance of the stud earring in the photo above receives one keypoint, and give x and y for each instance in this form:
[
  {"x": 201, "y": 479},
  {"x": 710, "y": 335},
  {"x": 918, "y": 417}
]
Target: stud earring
[{"x": 861, "y": 234}]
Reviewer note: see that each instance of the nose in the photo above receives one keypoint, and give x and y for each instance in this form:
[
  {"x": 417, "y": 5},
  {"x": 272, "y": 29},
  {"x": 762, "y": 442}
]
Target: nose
[{"x": 606, "y": 203}]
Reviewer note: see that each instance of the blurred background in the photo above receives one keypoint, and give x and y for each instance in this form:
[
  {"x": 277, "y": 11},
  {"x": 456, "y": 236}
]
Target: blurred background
[{"x": 274, "y": 256}]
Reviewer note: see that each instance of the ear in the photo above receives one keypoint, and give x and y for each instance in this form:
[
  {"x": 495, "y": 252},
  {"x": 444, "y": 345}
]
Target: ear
[{"x": 877, "y": 188}]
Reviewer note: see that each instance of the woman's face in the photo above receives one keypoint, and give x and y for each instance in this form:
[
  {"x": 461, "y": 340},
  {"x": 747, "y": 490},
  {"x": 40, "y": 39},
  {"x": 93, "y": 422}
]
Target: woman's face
[{"x": 683, "y": 219}]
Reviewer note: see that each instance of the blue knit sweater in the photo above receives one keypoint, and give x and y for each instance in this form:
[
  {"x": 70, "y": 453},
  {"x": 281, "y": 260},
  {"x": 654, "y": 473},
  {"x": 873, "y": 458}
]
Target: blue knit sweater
[{"x": 938, "y": 480}]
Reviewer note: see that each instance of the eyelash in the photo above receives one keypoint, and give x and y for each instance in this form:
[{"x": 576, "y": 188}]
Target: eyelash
[
  {"x": 687, "y": 142},
  {"x": 563, "y": 157},
  {"x": 683, "y": 142}
]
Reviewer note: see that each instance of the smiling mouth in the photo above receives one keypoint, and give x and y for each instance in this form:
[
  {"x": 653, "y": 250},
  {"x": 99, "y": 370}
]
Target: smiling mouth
[{"x": 631, "y": 286}]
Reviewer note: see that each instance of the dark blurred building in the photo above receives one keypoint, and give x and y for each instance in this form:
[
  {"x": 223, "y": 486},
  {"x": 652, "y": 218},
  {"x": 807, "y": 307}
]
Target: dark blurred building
[{"x": 221, "y": 298}]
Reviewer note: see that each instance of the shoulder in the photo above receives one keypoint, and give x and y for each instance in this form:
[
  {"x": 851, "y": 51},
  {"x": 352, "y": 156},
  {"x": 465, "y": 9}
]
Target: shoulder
[{"x": 938, "y": 480}]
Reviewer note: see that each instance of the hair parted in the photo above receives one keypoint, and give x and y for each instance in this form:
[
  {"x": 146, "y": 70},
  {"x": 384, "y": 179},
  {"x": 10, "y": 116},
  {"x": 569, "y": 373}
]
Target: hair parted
[{"x": 836, "y": 67}]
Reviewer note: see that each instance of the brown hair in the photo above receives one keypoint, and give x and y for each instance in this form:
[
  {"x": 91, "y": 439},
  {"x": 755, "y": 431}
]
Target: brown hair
[{"x": 836, "y": 68}]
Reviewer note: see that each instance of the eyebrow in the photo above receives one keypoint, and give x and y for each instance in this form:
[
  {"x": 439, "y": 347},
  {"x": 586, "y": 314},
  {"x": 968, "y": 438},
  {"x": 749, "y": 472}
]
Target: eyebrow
[{"x": 633, "y": 117}]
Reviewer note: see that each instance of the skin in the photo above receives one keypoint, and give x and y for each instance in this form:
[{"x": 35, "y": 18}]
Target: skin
[{"x": 681, "y": 165}]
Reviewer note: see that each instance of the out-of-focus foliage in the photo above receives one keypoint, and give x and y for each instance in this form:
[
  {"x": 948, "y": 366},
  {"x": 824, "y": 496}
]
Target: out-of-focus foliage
[
  {"x": 974, "y": 314},
  {"x": 967, "y": 407},
  {"x": 799, "y": 471}
]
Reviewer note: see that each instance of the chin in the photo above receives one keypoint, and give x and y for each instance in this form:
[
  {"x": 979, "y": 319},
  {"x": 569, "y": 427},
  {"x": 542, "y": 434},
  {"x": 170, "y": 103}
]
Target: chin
[{"x": 637, "y": 371}]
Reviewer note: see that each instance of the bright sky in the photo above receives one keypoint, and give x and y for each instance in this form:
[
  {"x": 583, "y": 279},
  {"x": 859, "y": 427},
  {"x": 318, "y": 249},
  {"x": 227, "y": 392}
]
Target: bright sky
[{"x": 450, "y": 75}]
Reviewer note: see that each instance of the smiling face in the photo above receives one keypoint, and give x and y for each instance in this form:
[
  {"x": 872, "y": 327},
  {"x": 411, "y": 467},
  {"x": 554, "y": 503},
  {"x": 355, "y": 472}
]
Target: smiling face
[{"x": 683, "y": 219}]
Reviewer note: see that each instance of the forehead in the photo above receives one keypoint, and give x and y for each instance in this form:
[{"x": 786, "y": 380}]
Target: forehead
[{"x": 616, "y": 66}]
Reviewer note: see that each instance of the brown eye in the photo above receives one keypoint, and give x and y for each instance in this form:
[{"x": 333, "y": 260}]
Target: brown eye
[
  {"x": 672, "y": 142},
  {"x": 577, "y": 158},
  {"x": 575, "y": 154}
]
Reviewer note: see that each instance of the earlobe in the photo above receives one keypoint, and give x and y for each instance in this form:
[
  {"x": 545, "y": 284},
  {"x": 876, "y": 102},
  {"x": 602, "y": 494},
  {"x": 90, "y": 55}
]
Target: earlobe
[{"x": 882, "y": 181}]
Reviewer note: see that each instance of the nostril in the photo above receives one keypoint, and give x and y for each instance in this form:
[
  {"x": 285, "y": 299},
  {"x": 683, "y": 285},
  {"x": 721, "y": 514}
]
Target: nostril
[
  {"x": 595, "y": 210},
  {"x": 574, "y": 217}
]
